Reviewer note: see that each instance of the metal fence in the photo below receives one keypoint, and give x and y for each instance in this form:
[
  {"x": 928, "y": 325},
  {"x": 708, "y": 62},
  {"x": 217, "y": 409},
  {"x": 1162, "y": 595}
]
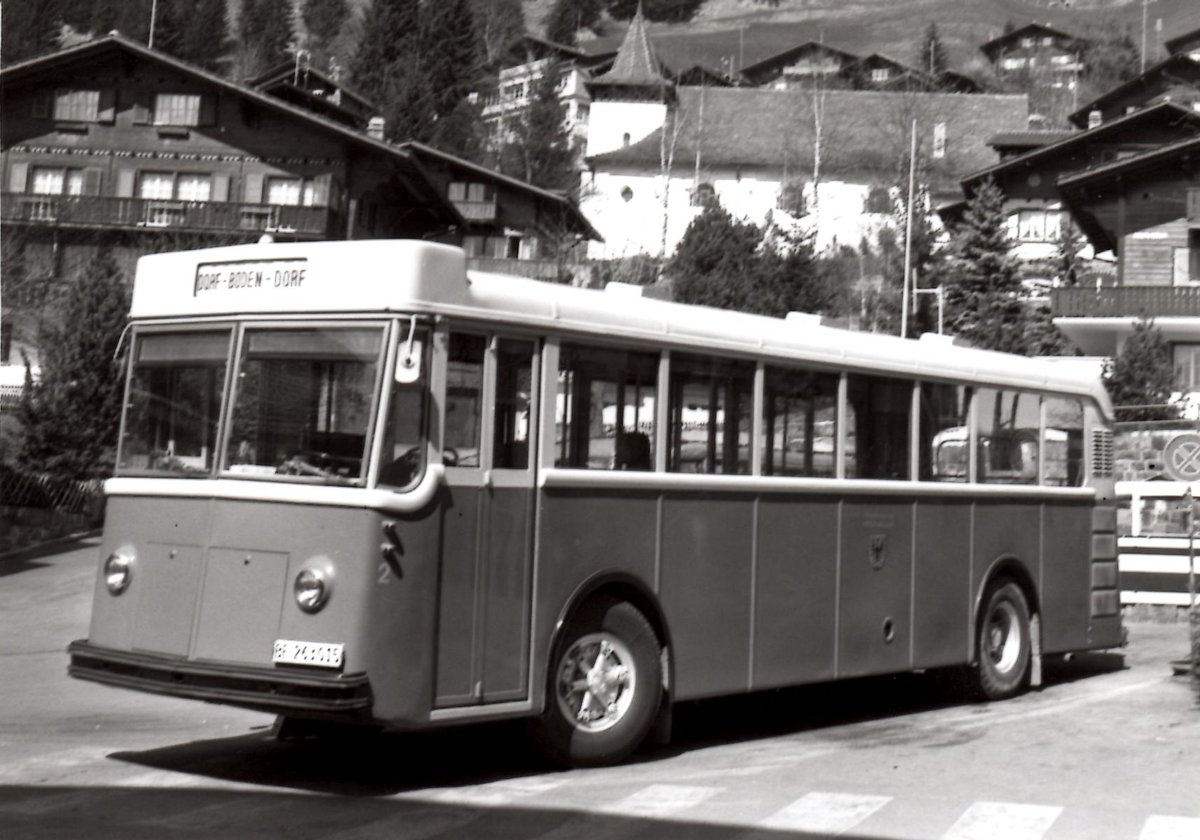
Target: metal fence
[{"x": 20, "y": 489}]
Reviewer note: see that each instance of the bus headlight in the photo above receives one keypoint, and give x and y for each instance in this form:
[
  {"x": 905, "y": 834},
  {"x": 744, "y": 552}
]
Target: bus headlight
[
  {"x": 312, "y": 589},
  {"x": 118, "y": 571}
]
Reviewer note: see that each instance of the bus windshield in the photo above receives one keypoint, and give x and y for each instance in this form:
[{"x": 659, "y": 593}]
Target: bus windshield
[{"x": 302, "y": 403}]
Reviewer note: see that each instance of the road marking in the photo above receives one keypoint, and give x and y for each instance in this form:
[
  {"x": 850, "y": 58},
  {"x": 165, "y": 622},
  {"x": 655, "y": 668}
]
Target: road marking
[
  {"x": 1003, "y": 821},
  {"x": 659, "y": 801},
  {"x": 825, "y": 813},
  {"x": 1170, "y": 828},
  {"x": 496, "y": 794}
]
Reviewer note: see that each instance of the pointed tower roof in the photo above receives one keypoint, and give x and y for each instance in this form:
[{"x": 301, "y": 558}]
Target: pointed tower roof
[{"x": 636, "y": 66}]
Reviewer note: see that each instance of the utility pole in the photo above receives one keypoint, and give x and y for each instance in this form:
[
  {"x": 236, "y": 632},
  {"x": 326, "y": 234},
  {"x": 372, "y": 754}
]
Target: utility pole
[
  {"x": 1145, "y": 4},
  {"x": 908, "y": 224},
  {"x": 153, "y": 14}
]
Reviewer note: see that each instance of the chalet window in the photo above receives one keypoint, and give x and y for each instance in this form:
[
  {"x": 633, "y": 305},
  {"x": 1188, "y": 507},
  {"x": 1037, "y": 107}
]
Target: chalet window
[
  {"x": 464, "y": 191},
  {"x": 177, "y": 109},
  {"x": 879, "y": 200},
  {"x": 1187, "y": 366},
  {"x": 879, "y": 74},
  {"x": 791, "y": 198},
  {"x": 54, "y": 180},
  {"x": 939, "y": 141},
  {"x": 704, "y": 195},
  {"x": 77, "y": 105},
  {"x": 1034, "y": 225},
  {"x": 291, "y": 192},
  {"x": 178, "y": 186}
]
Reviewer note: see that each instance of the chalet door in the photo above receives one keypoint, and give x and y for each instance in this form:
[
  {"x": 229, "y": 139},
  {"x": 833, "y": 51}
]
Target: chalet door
[{"x": 487, "y": 523}]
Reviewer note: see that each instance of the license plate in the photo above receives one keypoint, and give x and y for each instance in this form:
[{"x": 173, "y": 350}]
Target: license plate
[{"x": 318, "y": 654}]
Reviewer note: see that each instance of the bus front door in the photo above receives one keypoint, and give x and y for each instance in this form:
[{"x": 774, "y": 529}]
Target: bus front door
[{"x": 484, "y": 607}]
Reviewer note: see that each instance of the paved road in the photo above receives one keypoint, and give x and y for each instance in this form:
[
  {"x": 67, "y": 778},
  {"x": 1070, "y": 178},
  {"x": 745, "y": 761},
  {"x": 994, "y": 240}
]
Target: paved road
[{"x": 1109, "y": 749}]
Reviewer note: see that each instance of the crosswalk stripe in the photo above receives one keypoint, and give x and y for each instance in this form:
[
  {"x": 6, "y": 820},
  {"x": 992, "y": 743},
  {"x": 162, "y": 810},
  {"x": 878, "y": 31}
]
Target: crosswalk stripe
[
  {"x": 1003, "y": 821},
  {"x": 497, "y": 794},
  {"x": 659, "y": 801},
  {"x": 827, "y": 813},
  {"x": 1170, "y": 828}
]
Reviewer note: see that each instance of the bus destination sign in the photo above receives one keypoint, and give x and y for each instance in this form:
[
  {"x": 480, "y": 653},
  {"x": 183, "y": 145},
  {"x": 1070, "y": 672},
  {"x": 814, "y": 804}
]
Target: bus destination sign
[{"x": 258, "y": 276}]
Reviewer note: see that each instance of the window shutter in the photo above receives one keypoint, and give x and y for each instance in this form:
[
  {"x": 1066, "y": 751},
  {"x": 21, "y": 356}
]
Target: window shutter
[
  {"x": 92, "y": 179},
  {"x": 141, "y": 108},
  {"x": 125, "y": 178},
  {"x": 253, "y": 192},
  {"x": 18, "y": 175},
  {"x": 107, "y": 111},
  {"x": 41, "y": 105},
  {"x": 321, "y": 187},
  {"x": 220, "y": 188},
  {"x": 208, "y": 109}
]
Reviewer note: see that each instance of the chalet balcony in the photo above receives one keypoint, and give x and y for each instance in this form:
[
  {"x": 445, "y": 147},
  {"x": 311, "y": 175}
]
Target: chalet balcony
[
  {"x": 100, "y": 212},
  {"x": 477, "y": 211},
  {"x": 549, "y": 270},
  {"x": 1126, "y": 302}
]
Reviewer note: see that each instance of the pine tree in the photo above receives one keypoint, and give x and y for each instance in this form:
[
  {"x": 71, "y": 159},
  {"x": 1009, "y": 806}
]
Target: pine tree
[
  {"x": 983, "y": 302},
  {"x": 932, "y": 58},
  {"x": 712, "y": 260},
  {"x": 451, "y": 52},
  {"x": 265, "y": 31},
  {"x": 323, "y": 21},
  {"x": 562, "y": 23},
  {"x": 1142, "y": 375},
  {"x": 71, "y": 414},
  {"x": 30, "y": 29},
  {"x": 388, "y": 47},
  {"x": 1066, "y": 256}
]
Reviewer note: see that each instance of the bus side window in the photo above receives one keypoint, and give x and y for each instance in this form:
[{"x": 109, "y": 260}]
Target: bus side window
[
  {"x": 878, "y": 412},
  {"x": 514, "y": 384},
  {"x": 1062, "y": 442},
  {"x": 604, "y": 417},
  {"x": 710, "y": 411},
  {"x": 1007, "y": 425},
  {"x": 464, "y": 397},
  {"x": 800, "y": 423},
  {"x": 944, "y": 453}
]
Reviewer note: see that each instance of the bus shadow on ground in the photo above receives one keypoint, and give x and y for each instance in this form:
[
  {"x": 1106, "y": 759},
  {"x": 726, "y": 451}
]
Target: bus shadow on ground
[{"x": 864, "y": 711}]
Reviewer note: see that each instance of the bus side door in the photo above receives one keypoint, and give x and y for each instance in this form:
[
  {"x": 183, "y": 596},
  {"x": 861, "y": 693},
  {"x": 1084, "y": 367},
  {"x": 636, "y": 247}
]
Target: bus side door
[{"x": 487, "y": 526}]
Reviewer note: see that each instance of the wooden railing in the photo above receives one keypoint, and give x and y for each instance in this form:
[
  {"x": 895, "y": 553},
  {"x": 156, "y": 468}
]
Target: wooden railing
[
  {"x": 155, "y": 214},
  {"x": 1122, "y": 301},
  {"x": 551, "y": 270},
  {"x": 477, "y": 211}
]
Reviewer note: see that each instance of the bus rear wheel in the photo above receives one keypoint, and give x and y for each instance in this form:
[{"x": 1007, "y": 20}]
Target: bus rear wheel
[
  {"x": 1003, "y": 642},
  {"x": 605, "y": 686}
]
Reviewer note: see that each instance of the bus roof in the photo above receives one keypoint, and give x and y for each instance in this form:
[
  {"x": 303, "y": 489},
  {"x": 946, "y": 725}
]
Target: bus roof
[{"x": 384, "y": 276}]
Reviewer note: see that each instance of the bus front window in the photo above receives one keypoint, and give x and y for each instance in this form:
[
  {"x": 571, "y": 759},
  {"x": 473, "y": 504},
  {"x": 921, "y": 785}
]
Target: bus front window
[
  {"x": 303, "y": 403},
  {"x": 174, "y": 403}
]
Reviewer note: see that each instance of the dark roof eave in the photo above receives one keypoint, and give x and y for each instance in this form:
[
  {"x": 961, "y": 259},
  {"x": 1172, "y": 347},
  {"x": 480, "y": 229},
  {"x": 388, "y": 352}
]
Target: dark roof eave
[
  {"x": 1152, "y": 157},
  {"x": 1033, "y": 154},
  {"x": 1080, "y": 116}
]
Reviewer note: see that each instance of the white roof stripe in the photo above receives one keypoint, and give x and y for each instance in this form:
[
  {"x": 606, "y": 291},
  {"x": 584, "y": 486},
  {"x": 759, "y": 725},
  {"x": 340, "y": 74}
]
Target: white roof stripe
[{"x": 406, "y": 275}]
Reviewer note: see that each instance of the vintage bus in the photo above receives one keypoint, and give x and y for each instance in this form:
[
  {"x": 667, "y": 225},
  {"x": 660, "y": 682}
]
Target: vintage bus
[{"x": 357, "y": 483}]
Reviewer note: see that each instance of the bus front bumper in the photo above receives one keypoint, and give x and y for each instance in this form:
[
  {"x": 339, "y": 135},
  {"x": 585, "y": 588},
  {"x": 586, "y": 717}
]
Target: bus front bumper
[{"x": 278, "y": 691}]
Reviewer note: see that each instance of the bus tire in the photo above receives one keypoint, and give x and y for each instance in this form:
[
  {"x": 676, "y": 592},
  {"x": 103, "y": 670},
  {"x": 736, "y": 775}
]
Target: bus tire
[
  {"x": 604, "y": 686},
  {"x": 1003, "y": 643}
]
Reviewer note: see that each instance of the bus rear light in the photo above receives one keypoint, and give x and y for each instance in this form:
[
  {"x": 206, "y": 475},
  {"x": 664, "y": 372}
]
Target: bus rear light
[
  {"x": 312, "y": 588},
  {"x": 118, "y": 571}
]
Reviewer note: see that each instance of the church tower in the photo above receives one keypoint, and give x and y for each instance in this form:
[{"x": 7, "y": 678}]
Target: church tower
[{"x": 630, "y": 101}]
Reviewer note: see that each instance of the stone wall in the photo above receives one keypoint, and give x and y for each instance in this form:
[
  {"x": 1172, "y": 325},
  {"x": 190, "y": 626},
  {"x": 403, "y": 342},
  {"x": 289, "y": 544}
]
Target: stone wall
[{"x": 1138, "y": 448}]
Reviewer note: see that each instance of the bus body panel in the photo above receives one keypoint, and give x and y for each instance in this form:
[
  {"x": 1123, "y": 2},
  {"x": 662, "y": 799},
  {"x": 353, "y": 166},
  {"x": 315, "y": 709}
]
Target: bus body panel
[
  {"x": 795, "y": 595},
  {"x": 1066, "y": 579},
  {"x": 507, "y": 594},
  {"x": 213, "y": 583},
  {"x": 874, "y": 603},
  {"x": 707, "y": 548},
  {"x": 942, "y": 595},
  {"x": 458, "y": 608}
]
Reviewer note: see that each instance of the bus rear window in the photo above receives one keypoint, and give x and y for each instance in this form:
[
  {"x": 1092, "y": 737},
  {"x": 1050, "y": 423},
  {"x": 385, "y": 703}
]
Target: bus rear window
[
  {"x": 174, "y": 403},
  {"x": 303, "y": 403}
]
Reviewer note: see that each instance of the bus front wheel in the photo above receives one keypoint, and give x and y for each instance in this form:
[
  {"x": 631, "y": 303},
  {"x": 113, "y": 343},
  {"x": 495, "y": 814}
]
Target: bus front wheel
[
  {"x": 1003, "y": 642},
  {"x": 604, "y": 688}
]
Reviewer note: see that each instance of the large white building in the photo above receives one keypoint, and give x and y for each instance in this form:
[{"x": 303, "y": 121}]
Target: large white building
[{"x": 829, "y": 159}]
